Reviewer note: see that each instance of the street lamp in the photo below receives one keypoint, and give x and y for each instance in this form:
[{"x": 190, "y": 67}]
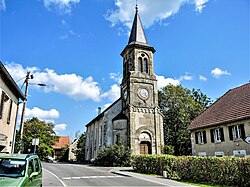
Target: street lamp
[{"x": 27, "y": 78}]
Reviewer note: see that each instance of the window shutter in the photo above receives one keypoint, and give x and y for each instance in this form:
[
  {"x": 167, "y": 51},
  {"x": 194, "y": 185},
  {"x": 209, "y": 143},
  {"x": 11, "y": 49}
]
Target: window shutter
[
  {"x": 222, "y": 134},
  {"x": 196, "y": 137},
  {"x": 212, "y": 135},
  {"x": 242, "y": 130},
  {"x": 230, "y": 128},
  {"x": 1, "y": 104},
  {"x": 204, "y": 137}
]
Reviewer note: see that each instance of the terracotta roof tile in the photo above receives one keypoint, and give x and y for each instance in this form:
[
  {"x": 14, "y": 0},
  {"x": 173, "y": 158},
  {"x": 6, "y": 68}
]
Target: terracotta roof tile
[
  {"x": 62, "y": 142},
  {"x": 232, "y": 106}
]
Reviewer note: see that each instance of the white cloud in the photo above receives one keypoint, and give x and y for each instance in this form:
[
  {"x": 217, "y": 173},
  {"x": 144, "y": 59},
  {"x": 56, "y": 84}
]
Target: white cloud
[
  {"x": 217, "y": 72},
  {"x": 149, "y": 10},
  {"x": 202, "y": 78},
  {"x": 162, "y": 81},
  {"x": 113, "y": 94},
  {"x": 116, "y": 76},
  {"x": 60, "y": 128},
  {"x": 186, "y": 78},
  {"x": 200, "y": 4},
  {"x": 69, "y": 84},
  {"x": 62, "y": 6},
  {"x": 2, "y": 5},
  {"x": 44, "y": 115}
]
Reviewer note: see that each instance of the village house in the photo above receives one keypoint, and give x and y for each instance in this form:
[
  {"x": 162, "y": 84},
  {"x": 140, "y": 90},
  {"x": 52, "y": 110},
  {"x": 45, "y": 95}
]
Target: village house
[
  {"x": 135, "y": 117},
  {"x": 61, "y": 148},
  {"x": 9, "y": 102},
  {"x": 224, "y": 128}
]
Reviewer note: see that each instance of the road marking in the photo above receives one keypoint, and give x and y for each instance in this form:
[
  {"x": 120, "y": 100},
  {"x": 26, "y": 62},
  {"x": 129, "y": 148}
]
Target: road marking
[
  {"x": 64, "y": 185},
  {"x": 89, "y": 177}
]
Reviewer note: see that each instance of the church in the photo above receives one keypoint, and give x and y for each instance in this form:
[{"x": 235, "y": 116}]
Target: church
[{"x": 134, "y": 118}]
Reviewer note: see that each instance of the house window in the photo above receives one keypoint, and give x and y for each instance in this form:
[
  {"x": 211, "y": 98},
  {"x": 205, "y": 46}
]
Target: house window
[
  {"x": 117, "y": 138},
  {"x": 9, "y": 114},
  {"x": 217, "y": 135},
  {"x": 200, "y": 137},
  {"x": 236, "y": 132},
  {"x": 140, "y": 65}
]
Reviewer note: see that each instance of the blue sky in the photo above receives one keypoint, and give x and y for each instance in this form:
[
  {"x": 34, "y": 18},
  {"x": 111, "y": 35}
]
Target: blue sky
[{"x": 74, "y": 46}]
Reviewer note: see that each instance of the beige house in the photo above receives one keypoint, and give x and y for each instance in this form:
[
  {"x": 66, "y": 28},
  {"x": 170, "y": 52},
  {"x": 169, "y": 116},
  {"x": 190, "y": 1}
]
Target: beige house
[
  {"x": 135, "y": 117},
  {"x": 9, "y": 101},
  {"x": 224, "y": 128},
  {"x": 72, "y": 149}
]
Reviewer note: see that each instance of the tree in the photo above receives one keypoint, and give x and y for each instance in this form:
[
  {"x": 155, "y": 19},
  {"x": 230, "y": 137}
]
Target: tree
[
  {"x": 114, "y": 155},
  {"x": 34, "y": 128},
  {"x": 80, "y": 151},
  {"x": 180, "y": 106}
]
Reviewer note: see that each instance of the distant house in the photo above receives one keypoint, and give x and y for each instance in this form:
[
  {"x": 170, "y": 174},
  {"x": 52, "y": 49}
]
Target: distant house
[
  {"x": 61, "y": 148},
  {"x": 72, "y": 149},
  {"x": 9, "y": 102},
  {"x": 224, "y": 128}
]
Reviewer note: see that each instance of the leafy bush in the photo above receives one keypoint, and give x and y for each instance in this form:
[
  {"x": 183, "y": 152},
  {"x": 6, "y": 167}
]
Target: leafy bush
[
  {"x": 168, "y": 149},
  {"x": 230, "y": 171},
  {"x": 114, "y": 155}
]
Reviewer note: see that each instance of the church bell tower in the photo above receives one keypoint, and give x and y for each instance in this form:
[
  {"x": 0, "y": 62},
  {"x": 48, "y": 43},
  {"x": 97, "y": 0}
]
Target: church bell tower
[{"x": 140, "y": 95}]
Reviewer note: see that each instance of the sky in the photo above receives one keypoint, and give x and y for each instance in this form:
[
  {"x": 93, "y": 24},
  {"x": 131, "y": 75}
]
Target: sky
[{"x": 74, "y": 46}]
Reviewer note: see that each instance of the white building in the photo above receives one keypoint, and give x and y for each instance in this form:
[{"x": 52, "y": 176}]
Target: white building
[{"x": 9, "y": 101}]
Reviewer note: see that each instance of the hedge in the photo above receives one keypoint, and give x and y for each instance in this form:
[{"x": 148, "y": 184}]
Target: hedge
[{"x": 230, "y": 171}]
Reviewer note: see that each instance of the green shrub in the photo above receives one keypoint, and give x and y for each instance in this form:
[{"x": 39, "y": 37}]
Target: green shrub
[
  {"x": 168, "y": 149},
  {"x": 230, "y": 171},
  {"x": 114, "y": 155}
]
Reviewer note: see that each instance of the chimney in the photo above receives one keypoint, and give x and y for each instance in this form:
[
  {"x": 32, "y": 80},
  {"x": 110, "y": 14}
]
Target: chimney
[{"x": 99, "y": 110}]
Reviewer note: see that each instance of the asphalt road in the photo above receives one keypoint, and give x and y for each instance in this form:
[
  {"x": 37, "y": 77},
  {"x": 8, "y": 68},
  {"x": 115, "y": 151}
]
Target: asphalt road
[{"x": 64, "y": 174}]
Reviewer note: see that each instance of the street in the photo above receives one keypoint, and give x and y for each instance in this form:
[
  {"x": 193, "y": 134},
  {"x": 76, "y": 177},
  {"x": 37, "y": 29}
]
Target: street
[{"x": 64, "y": 174}]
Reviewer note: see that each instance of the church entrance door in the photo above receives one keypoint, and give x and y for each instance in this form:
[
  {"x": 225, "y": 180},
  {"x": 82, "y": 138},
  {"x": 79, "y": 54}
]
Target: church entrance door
[{"x": 145, "y": 147}]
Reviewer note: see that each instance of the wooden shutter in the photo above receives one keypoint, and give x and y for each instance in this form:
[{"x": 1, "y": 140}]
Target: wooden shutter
[
  {"x": 230, "y": 128},
  {"x": 196, "y": 137},
  {"x": 222, "y": 135},
  {"x": 1, "y": 104},
  {"x": 204, "y": 137},
  {"x": 242, "y": 130},
  {"x": 212, "y": 135}
]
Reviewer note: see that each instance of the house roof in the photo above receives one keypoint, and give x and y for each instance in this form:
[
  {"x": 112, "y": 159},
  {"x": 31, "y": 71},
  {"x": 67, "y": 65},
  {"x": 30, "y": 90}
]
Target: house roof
[
  {"x": 10, "y": 82},
  {"x": 232, "y": 106},
  {"x": 62, "y": 142}
]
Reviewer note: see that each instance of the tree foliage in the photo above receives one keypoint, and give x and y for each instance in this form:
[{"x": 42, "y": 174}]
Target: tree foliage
[
  {"x": 80, "y": 151},
  {"x": 180, "y": 106},
  {"x": 34, "y": 128},
  {"x": 114, "y": 155}
]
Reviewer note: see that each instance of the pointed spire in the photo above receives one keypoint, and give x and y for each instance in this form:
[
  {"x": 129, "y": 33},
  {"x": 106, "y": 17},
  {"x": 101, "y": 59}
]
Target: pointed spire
[{"x": 137, "y": 34}]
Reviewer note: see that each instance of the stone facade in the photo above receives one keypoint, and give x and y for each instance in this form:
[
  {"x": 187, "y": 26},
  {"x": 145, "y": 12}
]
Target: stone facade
[
  {"x": 9, "y": 101},
  {"x": 134, "y": 118}
]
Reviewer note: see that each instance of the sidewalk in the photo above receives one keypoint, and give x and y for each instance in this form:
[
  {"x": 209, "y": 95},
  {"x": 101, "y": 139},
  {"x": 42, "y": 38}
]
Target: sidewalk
[{"x": 128, "y": 171}]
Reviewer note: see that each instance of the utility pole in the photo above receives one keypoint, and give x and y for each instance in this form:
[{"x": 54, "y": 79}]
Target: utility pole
[{"x": 28, "y": 76}]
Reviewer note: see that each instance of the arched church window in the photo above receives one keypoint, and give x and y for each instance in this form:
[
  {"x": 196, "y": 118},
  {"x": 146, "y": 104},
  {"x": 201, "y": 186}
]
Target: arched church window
[
  {"x": 145, "y": 65},
  {"x": 140, "y": 65}
]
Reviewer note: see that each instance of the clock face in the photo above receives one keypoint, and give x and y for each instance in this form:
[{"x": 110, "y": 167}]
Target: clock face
[{"x": 143, "y": 93}]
